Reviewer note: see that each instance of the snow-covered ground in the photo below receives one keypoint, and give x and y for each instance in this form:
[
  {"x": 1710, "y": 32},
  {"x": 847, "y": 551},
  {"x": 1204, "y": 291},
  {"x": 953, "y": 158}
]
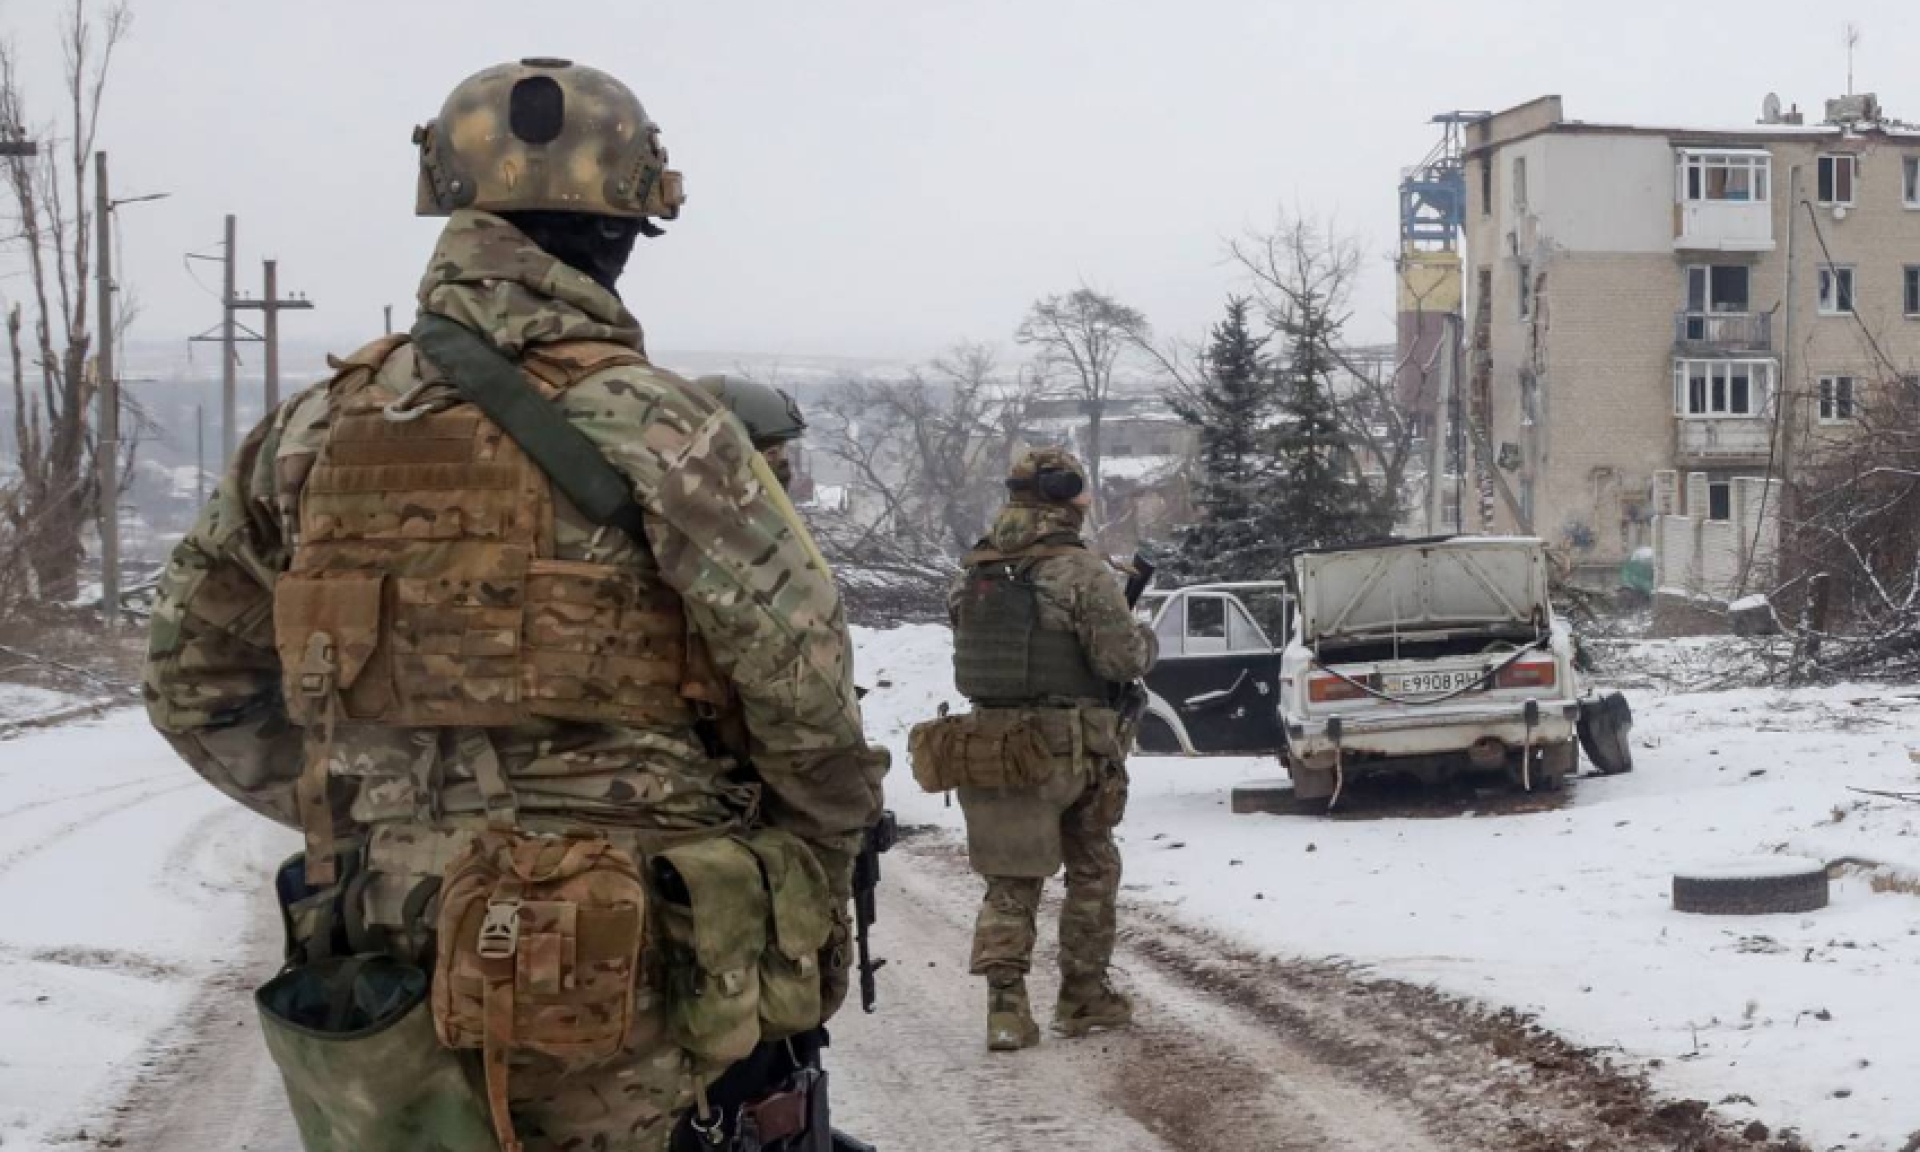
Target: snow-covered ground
[
  {"x": 123, "y": 888},
  {"x": 1806, "y": 1022},
  {"x": 125, "y": 884}
]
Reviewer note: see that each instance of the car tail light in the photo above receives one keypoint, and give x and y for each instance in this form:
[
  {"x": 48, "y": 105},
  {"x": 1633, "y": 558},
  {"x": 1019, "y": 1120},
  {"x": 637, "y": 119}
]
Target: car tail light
[
  {"x": 1528, "y": 674},
  {"x": 1326, "y": 688}
]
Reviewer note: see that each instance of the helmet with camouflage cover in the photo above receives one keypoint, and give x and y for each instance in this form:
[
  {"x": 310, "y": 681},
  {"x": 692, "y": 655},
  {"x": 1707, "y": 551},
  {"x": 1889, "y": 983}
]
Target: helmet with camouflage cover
[
  {"x": 1046, "y": 476},
  {"x": 545, "y": 135}
]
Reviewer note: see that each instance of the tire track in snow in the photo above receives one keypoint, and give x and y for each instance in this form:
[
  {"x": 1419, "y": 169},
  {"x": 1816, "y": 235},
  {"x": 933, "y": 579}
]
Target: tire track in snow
[{"x": 65, "y": 831}]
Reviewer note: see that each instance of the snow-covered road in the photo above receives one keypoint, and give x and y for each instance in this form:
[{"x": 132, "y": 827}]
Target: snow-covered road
[{"x": 133, "y": 923}]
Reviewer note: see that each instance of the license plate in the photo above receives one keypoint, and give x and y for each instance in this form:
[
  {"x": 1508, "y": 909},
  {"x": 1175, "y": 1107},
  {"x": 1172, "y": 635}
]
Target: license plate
[{"x": 1430, "y": 683}]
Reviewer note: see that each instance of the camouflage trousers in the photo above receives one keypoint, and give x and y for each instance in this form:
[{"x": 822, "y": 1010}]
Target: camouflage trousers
[
  {"x": 1004, "y": 933},
  {"x": 625, "y": 1105}
]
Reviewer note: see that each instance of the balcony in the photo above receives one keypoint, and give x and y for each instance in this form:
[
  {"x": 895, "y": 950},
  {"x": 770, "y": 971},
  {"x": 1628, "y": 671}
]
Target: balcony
[
  {"x": 1724, "y": 226},
  {"x": 1710, "y": 332},
  {"x": 1730, "y": 441}
]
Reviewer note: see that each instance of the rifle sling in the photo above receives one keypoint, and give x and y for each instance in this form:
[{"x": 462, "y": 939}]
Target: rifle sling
[{"x": 485, "y": 377}]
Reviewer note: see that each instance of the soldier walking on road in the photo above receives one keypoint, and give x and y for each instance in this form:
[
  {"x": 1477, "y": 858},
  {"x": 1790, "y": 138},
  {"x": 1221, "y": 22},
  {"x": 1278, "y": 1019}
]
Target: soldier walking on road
[
  {"x": 464, "y": 614},
  {"x": 1045, "y": 647}
]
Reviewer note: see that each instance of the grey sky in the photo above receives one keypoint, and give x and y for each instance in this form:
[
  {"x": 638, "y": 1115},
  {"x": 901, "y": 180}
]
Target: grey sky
[{"x": 882, "y": 177}]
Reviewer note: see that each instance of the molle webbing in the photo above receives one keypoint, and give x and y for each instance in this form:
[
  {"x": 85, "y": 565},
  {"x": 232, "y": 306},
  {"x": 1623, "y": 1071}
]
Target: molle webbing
[
  {"x": 1002, "y": 655},
  {"x": 426, "y": 561}
]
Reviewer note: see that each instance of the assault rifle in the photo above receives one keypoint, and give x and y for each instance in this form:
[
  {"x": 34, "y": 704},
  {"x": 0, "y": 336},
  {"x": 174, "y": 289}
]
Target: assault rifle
[
  {"x": 866, "y": 883},
  {"x": 1132, "y": 704}
]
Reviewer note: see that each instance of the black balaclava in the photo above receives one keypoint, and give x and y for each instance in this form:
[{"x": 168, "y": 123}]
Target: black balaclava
[{"x": 597, "y": 246}]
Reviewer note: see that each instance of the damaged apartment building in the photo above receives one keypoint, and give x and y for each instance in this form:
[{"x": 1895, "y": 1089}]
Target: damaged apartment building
[{"x": 1662, "y": 320}]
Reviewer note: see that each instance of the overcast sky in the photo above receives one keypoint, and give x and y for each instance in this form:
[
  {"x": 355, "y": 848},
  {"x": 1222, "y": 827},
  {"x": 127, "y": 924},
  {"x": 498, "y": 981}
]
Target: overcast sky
[{"x": 883, "y": 177}]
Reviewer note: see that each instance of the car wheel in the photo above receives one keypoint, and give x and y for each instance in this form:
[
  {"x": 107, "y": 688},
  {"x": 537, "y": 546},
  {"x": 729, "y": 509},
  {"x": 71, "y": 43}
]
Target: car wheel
[{"x": 1767, "y": 884}]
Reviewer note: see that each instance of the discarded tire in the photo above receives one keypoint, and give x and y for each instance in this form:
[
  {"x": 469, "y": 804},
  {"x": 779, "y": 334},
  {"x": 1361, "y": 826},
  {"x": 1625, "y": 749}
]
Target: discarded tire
[{"x": 1762, "y": 886}]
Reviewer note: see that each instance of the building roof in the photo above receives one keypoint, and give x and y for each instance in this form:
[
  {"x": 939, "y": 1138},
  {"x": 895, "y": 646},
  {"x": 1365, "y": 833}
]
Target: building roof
[{"x": 1694, "y": 135}]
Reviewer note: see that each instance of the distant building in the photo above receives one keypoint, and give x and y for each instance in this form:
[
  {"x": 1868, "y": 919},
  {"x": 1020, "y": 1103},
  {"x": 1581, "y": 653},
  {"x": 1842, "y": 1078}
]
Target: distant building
[{"x": 1686, "y": 306}]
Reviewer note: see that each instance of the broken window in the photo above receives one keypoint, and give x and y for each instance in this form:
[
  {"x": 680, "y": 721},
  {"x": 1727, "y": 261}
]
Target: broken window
[
  {"x": 1836, "y": 179},
  {"x": 1836, "y": 289},
  {"x": 1720, "y": 500},
  {"x": 1737, "y": 176},
  {"x": 1910, "y": 181},
  {"x": 1520, "y": 183},
  {"x": 1721, "y": 387},
  {"x": 1836, "y": 399},
  {"x": 1526, "y": 291},
  {"x": 1910, "y": 281},
  {"x": 1486, "y": 185}
]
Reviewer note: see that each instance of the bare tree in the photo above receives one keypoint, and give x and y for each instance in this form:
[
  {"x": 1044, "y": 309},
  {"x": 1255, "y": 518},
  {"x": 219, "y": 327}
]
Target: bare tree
[
  {"x": 927, "y": 454},
  {"x": 1301, "y": 266},
  {"x": 54, "y": 229},
  {"x": 1081, "y": 338},
  {"x": 1851, "y": 543}
]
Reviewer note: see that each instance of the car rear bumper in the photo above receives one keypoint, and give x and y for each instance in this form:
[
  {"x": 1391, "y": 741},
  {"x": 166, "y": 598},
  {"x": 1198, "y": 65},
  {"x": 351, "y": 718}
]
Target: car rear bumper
[{"x": 1432, "y": 731}]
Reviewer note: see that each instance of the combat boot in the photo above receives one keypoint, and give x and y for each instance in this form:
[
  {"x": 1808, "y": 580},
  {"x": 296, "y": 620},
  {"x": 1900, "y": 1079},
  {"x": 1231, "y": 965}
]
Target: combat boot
[
  {"x": 1086, "y": 1005},
  {"x": 1010, "y": 1025}
]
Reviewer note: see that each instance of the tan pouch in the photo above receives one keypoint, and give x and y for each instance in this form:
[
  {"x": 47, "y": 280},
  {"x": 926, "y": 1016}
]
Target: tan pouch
[
  {"x": 1000, "y": 748},
  {"x": 539, "y": 951},
  {"x": 345, "y": 609}
]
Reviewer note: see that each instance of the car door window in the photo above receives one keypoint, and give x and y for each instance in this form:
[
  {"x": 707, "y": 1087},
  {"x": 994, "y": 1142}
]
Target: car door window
[
  {"x": 1169, "y": 629},
  {"x": 1206, "y": 629},
  {"x": 1243, "y": 635}
]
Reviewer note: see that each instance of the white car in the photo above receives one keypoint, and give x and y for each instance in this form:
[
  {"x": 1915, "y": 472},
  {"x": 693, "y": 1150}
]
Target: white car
[{"x": 1436, "y": 658}]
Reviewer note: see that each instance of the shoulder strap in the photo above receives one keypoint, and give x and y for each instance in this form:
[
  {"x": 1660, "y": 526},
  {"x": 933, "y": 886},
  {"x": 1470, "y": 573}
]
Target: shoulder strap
[
  {"x": 485, "y": 377},
  {"x": 994, "y": 556}
]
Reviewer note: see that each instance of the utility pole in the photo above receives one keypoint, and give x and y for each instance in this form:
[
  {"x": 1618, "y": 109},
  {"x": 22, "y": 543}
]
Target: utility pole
[
  {"x": 200, "y": 454},
  {"x": 388, "y": 309},
  {"x": 271, "y": 305},
  {"x": 232, "y": 333},
  {"x": 229, "y": 355},
  {"x": 107, "y": 438}
]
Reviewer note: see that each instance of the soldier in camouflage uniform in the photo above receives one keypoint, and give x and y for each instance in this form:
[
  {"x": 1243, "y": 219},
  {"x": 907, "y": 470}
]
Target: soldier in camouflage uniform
[
  {"x": 1042, "y": 627},
  {"x": 771, "y": 418},
  {"x": 560, "y": 679}
]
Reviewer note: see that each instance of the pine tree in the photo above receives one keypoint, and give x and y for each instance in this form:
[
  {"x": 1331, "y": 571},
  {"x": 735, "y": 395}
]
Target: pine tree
[
  {"x": 1233, "y": 407},
  {"x": 1318, "y": 496}
]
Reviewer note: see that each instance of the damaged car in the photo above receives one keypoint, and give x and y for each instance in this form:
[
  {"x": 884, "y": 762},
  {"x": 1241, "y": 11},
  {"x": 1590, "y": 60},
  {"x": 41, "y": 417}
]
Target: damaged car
[{"x": 1437, "y": 658}]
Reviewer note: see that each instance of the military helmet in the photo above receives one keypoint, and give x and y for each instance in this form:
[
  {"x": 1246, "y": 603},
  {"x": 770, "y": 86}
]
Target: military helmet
[
  {"x": 545, "y": 135},
  {"x": 1046, "y": 475},
  {"x": 771, "y": 416}
]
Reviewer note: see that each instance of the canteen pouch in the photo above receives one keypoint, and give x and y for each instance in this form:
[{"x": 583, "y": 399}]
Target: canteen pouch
[
  {"x": 713, "y": 913},
  {"x": 538, "y": 951},
  {"x": 354, "y": 1041},
  {"x": 798, "y": 923}
]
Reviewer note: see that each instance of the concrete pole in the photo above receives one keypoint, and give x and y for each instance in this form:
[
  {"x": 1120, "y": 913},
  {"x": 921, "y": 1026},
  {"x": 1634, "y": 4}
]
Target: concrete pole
[
  {"x": 107, "y": 435},
  {"x": 1437, "y": 436},
  {"x": 271, "y": 334},
  {"x": 229, "y": 354}
]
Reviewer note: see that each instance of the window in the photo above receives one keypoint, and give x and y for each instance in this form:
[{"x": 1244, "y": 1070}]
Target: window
[
  {"x": 1836, "y": 289},
  {"x": 1721, "y": 387},
  {"x": 1737, "y": 176},
  {"x": 1486, "y": 185},
  {"x": 1836, "y": 179},
  {"x": 1717, "y": 288},
  {"x": 1520, "y": 183},
  {"x": 1206, "y": 617},
  {"x": 1526, "y": 291},
  {"x": 1720, "y": 500},
  {"x": 1910, "y": 181},
  {"x": 1836, "y": 399},
  {"x": 1910, "y": 290}
]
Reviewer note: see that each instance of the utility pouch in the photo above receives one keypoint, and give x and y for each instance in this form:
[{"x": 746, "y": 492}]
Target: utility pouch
[
  {"x": 314, "y": 918},
  {"x": 998, "y": 748},
  {"x": 713, "y": 913},
  {"x": 354, "y": 1041},
  {"x": 798, "y": 923},
  {"x": 538, "y": 951}
]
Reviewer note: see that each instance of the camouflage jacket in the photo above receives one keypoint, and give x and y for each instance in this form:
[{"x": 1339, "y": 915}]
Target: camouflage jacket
[
  {"x": 1076, "y": 592},
  {"x": 753, "y": 585}
]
